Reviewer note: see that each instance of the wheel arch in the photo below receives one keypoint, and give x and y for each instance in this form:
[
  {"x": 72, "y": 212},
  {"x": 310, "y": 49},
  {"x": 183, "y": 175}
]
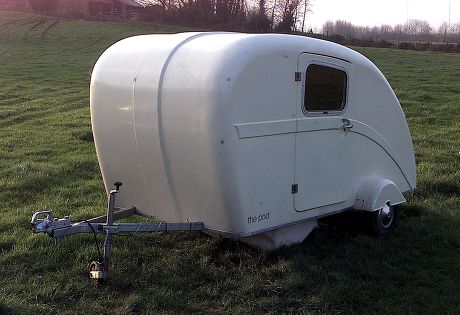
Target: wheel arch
[{"x": 375, "y": 192}]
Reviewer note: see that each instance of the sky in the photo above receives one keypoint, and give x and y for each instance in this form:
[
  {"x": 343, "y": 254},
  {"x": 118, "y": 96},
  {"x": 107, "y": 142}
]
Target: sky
[{"x": 376, "y": 13}]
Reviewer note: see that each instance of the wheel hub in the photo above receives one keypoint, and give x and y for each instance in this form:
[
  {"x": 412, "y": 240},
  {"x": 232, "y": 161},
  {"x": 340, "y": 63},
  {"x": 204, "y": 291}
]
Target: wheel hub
[{"x": 386, "y": 216}]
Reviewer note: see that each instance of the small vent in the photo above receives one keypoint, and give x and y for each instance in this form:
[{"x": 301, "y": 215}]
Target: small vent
[
  {"x": 295, "y": 188},
  {"x": 298, "y": 76}
]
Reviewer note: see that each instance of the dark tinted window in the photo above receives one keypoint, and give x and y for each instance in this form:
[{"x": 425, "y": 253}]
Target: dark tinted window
[{"x": 325, "y": 89}]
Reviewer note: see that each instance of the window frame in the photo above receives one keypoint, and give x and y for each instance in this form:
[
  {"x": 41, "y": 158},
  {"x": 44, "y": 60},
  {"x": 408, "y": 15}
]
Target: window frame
[{"x": 317, "y": 113}]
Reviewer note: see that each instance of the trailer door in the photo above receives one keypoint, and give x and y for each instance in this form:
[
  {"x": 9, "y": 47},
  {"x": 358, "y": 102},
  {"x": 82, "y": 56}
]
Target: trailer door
[{"x": 323, "y": 160}]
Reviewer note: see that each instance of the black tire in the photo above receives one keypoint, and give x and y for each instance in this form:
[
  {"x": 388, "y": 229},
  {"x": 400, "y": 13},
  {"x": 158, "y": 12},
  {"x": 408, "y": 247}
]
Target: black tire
[{"x": 383, "y": 223}]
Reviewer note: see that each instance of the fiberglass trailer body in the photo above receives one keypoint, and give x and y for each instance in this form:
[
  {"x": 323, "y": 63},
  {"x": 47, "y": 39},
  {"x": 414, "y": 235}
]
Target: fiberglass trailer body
[{"x": 256, "y": 136}]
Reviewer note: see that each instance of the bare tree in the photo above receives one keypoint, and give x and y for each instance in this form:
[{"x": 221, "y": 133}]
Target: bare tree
[
  {"x": 398, "y": 31},
  {"x": 288, "y": 14},
  {"x": 386, "y": 31},
  {"x": 443, "y": 30},
  {"x": 411, "y": 27},
  {"x": 305, "y": 10},
  {"x": 328, "y": 28},
  {"x": 258, "y": 20},
  {"x": 425, "y": 30},
  {"x": 413, "y": 30},
  {"x": 344, "y": 28},
  {"x": 421, "y": 29}
]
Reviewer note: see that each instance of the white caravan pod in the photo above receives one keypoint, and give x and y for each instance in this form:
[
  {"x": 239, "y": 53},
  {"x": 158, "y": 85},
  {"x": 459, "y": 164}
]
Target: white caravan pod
[{"x": 256, "y": 136}]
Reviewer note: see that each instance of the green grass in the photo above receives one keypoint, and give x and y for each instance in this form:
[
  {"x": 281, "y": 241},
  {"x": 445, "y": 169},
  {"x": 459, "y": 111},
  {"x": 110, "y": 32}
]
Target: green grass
[{"x": 47, "y": 160}]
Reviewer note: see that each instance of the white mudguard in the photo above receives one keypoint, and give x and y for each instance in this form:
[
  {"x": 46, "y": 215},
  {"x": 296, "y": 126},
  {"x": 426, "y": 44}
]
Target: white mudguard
[{"x": 375, "y": 192}]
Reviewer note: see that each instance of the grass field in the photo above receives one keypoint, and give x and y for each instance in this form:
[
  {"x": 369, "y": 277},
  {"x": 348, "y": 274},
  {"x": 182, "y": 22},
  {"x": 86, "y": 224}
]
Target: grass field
[{"x": 47, "y": 160}]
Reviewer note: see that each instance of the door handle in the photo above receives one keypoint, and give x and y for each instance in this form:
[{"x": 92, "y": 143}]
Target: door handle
[{"x": 346, "y": 124}]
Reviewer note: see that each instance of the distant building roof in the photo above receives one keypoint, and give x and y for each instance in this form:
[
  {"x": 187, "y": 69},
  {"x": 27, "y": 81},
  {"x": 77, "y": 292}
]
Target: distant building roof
[{"x": 133, "y": 3}]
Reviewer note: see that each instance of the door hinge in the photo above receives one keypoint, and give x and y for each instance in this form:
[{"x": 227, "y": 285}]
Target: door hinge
[
  {"x": 295, "y": 188},
  {"x": 298, "y": 76}
]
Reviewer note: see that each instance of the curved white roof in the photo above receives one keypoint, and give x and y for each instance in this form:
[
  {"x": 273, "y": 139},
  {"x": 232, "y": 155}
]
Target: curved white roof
[{"x": 188, "y": 122}]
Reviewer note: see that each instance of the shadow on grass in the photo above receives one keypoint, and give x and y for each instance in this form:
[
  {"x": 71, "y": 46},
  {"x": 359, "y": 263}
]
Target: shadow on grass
[
  {"x": 83, "y": 135},
  {"x": 445, "y": 189},
  {"x": 337, "y": 267},
  {"x": 411, "y": 211},
  {"x": 5, "y": 310},
  {"x": 340, "y": 265}
]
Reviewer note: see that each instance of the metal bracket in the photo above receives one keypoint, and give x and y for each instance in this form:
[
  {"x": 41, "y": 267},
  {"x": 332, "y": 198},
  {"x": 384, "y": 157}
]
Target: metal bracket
[
  {"x": 346, "y": 124},
  {"x": 298, "y": 76},
  {"x": 126, "y": 228},
  {"x": 44, "y": 222}
]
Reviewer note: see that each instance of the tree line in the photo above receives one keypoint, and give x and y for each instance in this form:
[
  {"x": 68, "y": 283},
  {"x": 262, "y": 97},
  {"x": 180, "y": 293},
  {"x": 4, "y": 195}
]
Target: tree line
[
  {"x": 248, "y": 15},
  {"x": 283, "y": 16},
  {"x": 413, "y": 30}
]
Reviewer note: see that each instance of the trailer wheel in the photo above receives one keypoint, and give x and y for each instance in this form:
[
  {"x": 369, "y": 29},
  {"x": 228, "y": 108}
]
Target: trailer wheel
[{"x": 385, "y": 220}]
